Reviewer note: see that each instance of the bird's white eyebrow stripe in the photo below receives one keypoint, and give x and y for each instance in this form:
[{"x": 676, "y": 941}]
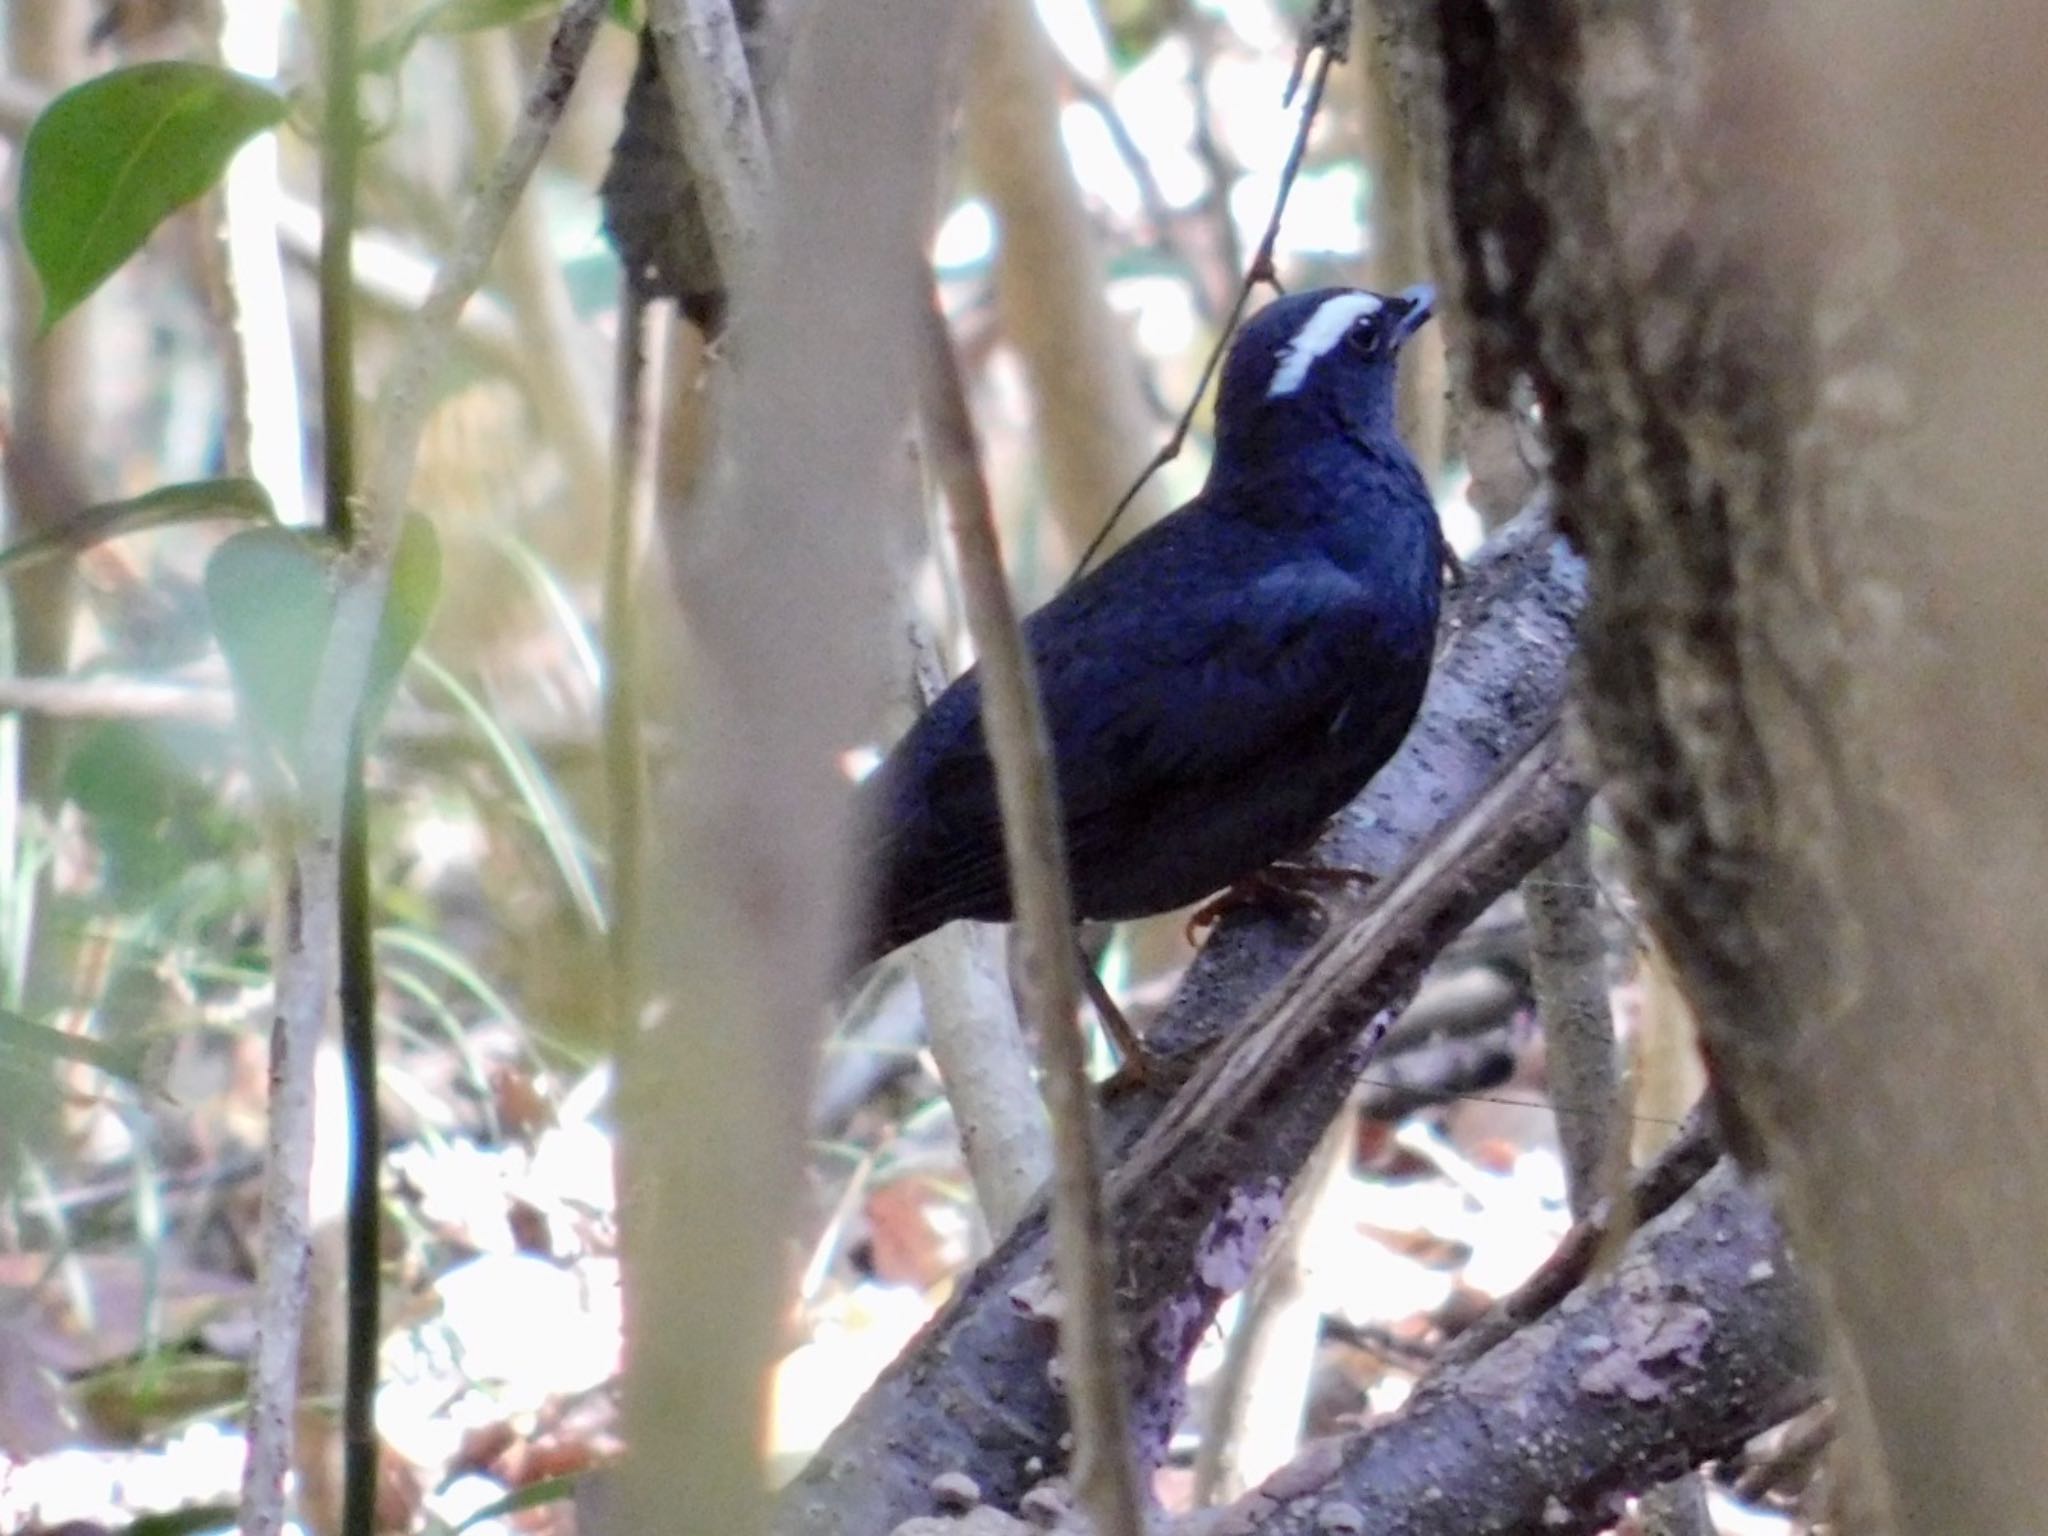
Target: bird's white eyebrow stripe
[{"x": 1318, "y": 334}]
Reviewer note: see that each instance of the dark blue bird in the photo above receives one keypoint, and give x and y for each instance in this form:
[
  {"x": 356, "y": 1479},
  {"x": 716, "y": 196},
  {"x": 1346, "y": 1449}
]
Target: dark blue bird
[{"x": 1225, "y": 683}]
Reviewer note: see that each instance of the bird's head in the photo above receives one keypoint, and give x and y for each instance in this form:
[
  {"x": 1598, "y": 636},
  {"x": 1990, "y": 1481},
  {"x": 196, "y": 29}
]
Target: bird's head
[{"x": 1311, "y": 364}]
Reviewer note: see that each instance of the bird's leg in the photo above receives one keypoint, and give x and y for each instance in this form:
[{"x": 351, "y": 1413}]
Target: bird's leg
[
  {"x": 1283, "y": 886},
  {"x": 1130, "y": 1046},
  {"x": 1454, "y": 568}
]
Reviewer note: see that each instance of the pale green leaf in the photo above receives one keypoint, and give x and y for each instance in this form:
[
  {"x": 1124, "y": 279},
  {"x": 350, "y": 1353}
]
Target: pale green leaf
[
  {"x": 109, "y": 160},
  {"x": 191, "y": 501}
]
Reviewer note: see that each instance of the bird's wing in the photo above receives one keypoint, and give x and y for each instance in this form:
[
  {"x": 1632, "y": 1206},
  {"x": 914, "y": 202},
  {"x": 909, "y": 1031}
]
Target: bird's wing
[
  {"x": 1142, "y": 707},
  {"x": 1241, "y": 676}
]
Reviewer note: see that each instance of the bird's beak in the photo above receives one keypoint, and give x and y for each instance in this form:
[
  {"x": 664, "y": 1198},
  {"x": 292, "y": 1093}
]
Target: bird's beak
[{"x": 1421, "y": 302}]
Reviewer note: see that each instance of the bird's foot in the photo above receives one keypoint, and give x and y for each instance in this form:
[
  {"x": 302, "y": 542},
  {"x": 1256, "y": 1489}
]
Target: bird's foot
[
  {"x": 1134, "y": 1062},
  {"x": 1285, "y": 888},
  {"x": 1455, "y": 574}
]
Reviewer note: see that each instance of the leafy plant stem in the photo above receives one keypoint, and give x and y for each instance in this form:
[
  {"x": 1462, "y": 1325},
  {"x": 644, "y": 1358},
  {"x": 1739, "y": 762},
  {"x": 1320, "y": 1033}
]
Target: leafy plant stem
[
  {"x": 342, "y": 133},
  {"x": 326, "y": 750},
  {"x": 356, "y": 978},
  {"x": 358, "y": 989}
]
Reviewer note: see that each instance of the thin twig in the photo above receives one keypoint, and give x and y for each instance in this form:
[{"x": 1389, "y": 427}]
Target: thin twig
[
  {"x": 312, "y": 861},
  {"x": 1104, "y": 1477},
  {"x": 566, "y": 394},
  {"x": 976, "y": 1038},
  {"x": 703, "y": 62},
  {"x": 1159, "y": 213},
  {"x": 984, "y": 1064},
  {"x": 406, "y": 398},
  {"x": 1568, "y": 971},
  {"x": 1260, "y": 270},
  {"x": 317, "y": 862},
  {"x": 394, "y": 281},
  {"x": 1787, "y": 1454},
  {"x": 1683, "y": 1163},
  {"x": 342, "y": 133},
  {"x": 305, "y": 931},
  {"x": 625, "y": 767}
]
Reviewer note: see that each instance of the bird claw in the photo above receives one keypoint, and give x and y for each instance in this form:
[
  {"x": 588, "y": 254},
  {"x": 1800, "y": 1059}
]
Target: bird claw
[
  {"x": 1454, "y": 568},
  {"x": 1133, "y": 1060},
  {"x": 1289, "y": 889}
]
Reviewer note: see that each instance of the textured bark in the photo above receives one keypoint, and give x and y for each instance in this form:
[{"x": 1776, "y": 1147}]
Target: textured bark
[
  {"x": 1697, "y": 1339},
  {"x": 1775, "y": 280},
  {"x": 973, "y": 1393},
  {"x": 1568, "y": 971}
]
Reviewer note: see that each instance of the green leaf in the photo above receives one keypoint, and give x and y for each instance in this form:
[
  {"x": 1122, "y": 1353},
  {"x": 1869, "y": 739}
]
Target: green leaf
[
  {"x": 191, "y": 501},
  {"x": 109, "y": 160},
  {"x": 384, "y": 54},
  {"x": 543, "y": 801},
  {"x": 271, "y": 592},
  {"x": 545, "y": 1490},
  {"x": 154, "y": 818},
  {"x": 189, "y": 1521},
  {"x": 272, "y": 603},
  {"x": 408, "y": 607},
  {"x": 27, "y": 1045}
]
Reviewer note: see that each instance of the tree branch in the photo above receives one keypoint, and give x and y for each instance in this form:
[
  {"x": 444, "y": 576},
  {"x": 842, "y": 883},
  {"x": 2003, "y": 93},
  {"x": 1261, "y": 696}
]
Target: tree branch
[
  {"x": 1331, "y": 42},
  {"x": 972, "y": 1394},
  {"x": 1091, "y": 421},
  {"x": 703, "y": 63},
  {"x": 1034, "y": 846},
  {"x": 1701, "y": 1337},
  {"x": 1568, "y": 969},
  {"x": 1683, "y": 1163},
  {"x": 566, "y": 394}
]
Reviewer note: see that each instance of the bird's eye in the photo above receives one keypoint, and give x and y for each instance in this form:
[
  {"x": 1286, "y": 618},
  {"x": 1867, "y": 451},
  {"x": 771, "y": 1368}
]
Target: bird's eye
[{"x": 1365, "y": 334}]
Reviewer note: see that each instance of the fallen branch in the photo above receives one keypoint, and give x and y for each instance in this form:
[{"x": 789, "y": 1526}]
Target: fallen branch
[
  {"x": 1701, "y": 1337},
  {"x": 1684, "y": 1161}
]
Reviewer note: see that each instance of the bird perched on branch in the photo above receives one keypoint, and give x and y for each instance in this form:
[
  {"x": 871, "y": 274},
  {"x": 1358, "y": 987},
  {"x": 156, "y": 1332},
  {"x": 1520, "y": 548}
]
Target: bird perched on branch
[{"x": 1226, "y": 682}]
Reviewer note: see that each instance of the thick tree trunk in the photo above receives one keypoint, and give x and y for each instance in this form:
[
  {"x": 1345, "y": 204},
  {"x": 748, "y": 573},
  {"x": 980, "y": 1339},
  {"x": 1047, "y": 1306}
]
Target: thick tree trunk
[{"x": 1775, "y": 278}]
